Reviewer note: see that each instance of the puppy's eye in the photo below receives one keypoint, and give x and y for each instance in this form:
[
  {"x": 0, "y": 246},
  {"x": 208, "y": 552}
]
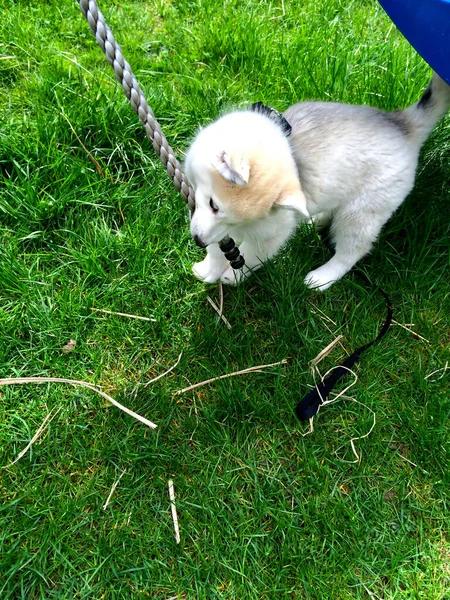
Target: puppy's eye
[{"x": 214, "y": 208}]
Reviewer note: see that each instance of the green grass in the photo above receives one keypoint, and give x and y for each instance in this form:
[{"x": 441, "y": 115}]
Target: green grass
[{"x": 264, "y": 512}]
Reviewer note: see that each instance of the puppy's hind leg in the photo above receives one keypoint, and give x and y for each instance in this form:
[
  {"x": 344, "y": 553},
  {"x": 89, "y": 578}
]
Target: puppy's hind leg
[{"x": 353, "y": 232}]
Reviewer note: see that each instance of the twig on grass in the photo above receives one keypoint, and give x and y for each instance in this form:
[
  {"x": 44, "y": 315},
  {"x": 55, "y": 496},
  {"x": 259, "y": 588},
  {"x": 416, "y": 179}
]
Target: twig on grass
[
  {"x": 325, "y": 316},
  {"x": 313, "y": 365},
  {"x": 329, "y": 328},
  {"x": 51, "y": 415},
  {"x": 323, "y": 377},
  {"x": 412, "y": 463},
  {"x": 257, "y": 369},
  {"x": 415, "y": 334},
  {"x": 120, "y": 314},
  {"x": 371, "y": 594},
  {"x": 388, "y": 33},
  {"x": 283, "y": 12},
  {"x": 114, "y": 485},
  {"x": 443, "y": 369},
  {"x": 163, "y": 374},
  {"x": 323, "y": 402},
  {"x": 326, "y": 351},
  {"x": 218, "y": 311},
  {"x": 174, "y": 511},
  {"x": 13, "y": 381}
]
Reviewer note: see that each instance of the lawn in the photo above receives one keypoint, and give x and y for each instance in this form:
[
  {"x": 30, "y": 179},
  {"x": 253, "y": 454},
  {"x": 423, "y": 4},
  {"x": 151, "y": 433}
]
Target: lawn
[{"x": 89, "y": 220}]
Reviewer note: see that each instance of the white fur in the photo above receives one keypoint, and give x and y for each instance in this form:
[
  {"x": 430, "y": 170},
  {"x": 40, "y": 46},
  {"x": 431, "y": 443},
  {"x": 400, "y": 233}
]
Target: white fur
[{"x": 353, "y": 166}]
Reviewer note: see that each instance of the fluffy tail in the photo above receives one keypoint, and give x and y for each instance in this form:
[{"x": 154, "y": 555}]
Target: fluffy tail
[{"x": 431, "y": 107}]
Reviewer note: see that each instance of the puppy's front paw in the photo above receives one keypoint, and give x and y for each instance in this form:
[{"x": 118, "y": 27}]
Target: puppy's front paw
[
  {"x": 320, "y": 279},
  {"x": 208, "y": 271},
  {"x": 232, "y": 276}
]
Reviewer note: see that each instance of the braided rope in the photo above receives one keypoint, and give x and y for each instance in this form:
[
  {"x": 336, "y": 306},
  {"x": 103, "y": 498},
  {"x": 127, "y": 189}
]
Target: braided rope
[{"x": 133, "y": 92}]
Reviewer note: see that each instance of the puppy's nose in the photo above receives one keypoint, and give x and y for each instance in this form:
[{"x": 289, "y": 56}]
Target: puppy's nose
[{"x": 199, "y": 242}]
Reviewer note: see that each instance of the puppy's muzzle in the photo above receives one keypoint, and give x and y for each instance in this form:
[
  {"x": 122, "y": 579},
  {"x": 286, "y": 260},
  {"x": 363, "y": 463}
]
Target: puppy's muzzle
[{"x": 199, "y": 242}]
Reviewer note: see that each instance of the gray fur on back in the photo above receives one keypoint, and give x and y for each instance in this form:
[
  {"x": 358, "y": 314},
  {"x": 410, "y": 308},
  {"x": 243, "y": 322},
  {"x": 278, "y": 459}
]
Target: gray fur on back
[{"x": 339, "y": 149}]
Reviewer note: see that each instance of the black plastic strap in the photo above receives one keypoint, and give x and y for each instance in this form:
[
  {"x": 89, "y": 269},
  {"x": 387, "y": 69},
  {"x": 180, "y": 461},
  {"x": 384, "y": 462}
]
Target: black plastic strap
[{"x": 310, "y": 404}]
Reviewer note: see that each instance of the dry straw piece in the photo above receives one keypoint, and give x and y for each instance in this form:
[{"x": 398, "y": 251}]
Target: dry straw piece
[
  {"x": 257, "y": 369},
  {"x": 121, "y": 314},
  {"x": 174, "y": 511},
  {"x": 219, "y": 312},
  {"x": 414, "y": 333},
  {"x": 326, "y": 351},
  {"x": 17, "y": 380},
  {"x": 163, "y": 374},
  {"x": 51, "y": 415},
  {"x": 113, "y": 489}
]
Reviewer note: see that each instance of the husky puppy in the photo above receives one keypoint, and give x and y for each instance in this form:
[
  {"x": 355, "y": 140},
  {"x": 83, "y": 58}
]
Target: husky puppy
[{"x": 257, "y": 174}]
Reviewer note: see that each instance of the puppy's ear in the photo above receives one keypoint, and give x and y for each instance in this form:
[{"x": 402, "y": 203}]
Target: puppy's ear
[
  {"x": 295, "y": 202},
  {"x": 233, "y": 168}
]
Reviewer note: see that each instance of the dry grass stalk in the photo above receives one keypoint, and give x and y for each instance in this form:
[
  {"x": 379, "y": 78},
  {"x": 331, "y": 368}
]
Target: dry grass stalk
[
  {"x": 310, "y": 428},
  {"x": 326, "y": 351},
  {"x": 315, "y": 371},
  {"x": 324, "y": 321},
  {"x": 443, "y": 369},
  {"x": 257, "y": 369},
  {"x": 218, "y": 311},
  {"x": 403, "y": 457},
  {"x": 355, "y": 439},
  {"x": 51, "y": 415},
  {"x": 95, "y": 162},
  {"x": 411, "y": 331},
  {"x": 174, "y": 511},
  {"x": 371, "y": 594},
  {"x": 163, "y": 374},
  {"x": 220, "y": 298},
  {"x": 191, "y": 295},
  {"x": 120, "y": 314},
  {"x": 114, "y": 485},
  {"x": 13, "y": 381},
  {"x": 336, "y": 397},
  {"x": 325, "y": 316},
  {"x": 283, "y": 13}
]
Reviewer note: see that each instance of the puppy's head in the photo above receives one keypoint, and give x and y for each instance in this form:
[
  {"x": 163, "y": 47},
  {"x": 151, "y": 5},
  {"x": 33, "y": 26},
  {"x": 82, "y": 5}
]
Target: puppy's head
[{"x": 241, "y": 168}]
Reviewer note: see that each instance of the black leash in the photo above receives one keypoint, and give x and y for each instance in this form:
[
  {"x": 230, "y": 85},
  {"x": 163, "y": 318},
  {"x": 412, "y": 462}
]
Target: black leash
[{"x": 310, "y": 404}]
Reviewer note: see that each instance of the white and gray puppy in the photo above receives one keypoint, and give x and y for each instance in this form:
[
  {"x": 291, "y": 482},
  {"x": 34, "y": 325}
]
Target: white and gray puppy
[{"x": 351, "y": 165}]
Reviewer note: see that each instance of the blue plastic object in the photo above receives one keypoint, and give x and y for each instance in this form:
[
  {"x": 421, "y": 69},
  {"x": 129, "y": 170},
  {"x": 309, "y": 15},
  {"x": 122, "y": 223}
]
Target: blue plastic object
[{"x": 426, "y": 26}]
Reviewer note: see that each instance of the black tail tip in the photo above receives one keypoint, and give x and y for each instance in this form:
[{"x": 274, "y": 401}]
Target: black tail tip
[{"x": 426, "y": 98}]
